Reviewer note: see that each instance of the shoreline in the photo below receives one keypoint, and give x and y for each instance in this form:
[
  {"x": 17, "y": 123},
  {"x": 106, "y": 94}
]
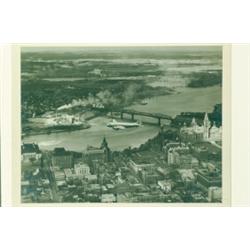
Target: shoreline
[
  {"x": 170, "y": 104},
  {"x": 79, "y": 129},
  {"x": 53, "y": 132}
]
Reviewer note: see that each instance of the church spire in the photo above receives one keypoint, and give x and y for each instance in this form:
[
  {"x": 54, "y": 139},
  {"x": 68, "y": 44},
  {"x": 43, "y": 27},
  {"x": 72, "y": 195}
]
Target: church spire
[
  {"x": 106, "y": 149},
  {"x": 206, "y": 121},
  {"x": 207, "y": 125},
  {"x": 104, "y": 143},
  {"x": 193, "y": 123}
]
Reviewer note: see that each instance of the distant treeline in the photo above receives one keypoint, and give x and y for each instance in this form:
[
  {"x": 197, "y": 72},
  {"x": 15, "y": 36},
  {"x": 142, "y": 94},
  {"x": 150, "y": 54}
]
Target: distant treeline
[
  {"x": 41, "y": 96},
  {"x": 205, "y": 79},
  {"x": 186, "y": 117}
]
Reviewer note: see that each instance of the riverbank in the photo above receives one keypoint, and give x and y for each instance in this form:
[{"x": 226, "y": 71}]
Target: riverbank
[
  {"x": 80, "y": 139},
  {"x": 193, "y": 100},
  {"x": 185, "y": 100},
  {"x": 49, "y": 131}
]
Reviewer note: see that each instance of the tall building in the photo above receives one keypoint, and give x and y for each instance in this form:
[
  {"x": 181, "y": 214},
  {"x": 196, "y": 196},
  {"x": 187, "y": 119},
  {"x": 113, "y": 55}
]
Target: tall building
[
  {"x": 101, "y": 154},
  {"x": 206, "y": 127},
  {"x": 107, "y": 151},
  {"x": 173, "y": 154},
  {"x": 215, "y": 133},
  {"x": 62, "y": 158},
  {"x": 104, "y": 143},
  {"x": 181, "y": 157},
  {"x": 93, "y": 154},
  {"x": 206, "y": 132}
]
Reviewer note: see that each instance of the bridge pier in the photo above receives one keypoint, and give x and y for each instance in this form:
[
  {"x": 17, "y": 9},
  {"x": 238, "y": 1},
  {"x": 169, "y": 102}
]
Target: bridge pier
[
  {"x": 159, "y": 121},
  {"x": 132, "y": 117},
  {"x": 121, "y": 115}
]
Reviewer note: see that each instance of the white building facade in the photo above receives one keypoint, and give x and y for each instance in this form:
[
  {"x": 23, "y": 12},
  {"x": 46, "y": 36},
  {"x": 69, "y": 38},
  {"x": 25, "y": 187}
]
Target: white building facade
[{"x": 206, "y": 132}]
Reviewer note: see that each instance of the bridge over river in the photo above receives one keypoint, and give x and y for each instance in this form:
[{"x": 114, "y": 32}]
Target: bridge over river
[{"x": 131, "y": 112}]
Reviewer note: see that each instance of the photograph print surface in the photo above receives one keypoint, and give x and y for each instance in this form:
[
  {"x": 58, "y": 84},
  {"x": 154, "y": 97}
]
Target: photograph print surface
[{"x": 135, "y": 124}]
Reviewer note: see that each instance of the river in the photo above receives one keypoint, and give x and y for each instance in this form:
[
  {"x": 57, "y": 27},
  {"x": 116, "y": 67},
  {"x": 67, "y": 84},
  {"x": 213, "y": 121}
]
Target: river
[{"x": 187, "y": 99}]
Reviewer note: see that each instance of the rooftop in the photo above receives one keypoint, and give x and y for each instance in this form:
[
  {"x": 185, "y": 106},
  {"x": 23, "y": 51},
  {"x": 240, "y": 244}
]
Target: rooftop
[
  {"x": 30, "y": 148},
  {"x": 60, "y": 152}
]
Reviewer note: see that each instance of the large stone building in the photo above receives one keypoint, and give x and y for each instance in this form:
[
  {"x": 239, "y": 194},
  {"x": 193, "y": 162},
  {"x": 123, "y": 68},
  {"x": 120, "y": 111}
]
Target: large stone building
[
  {"x": 81, "y": 169},
  {"x": 181, "y": 157},
  {"x": 209, "y": 178},
  {"x": 62, "y": 158},
  {"x": 139, "y": 166},
  {"x": 102, "y": 153},
  {"x": 206, "y": 132}
]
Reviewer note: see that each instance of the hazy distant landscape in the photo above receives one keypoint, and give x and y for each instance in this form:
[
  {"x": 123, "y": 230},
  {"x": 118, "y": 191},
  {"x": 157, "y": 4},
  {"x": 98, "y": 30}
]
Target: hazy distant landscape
[{"x": 116, "y": 76}]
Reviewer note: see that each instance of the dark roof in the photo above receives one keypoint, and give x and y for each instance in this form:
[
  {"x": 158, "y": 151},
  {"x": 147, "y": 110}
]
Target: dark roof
[
  {"x": 30, "y": 148},
  {"x": 60, "y": 151}
]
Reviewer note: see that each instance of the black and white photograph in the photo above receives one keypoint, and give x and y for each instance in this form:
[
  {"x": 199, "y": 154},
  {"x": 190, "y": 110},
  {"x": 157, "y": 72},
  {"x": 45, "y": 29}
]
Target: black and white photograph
[{"x": 135, "y": 124}]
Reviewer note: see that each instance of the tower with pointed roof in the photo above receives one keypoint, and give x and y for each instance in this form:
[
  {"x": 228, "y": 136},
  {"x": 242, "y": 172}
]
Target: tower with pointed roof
[
  {"x": 106, "y": 149},
  {"x": 104, "y": 143},
  {"x": 206, "y": 126},
  {"x": 194, "y": 124}
]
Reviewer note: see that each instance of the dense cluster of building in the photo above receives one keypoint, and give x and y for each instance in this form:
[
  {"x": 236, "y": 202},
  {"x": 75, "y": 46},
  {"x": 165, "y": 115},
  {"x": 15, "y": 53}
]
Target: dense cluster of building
[
  {"x": 205, "y": 132},
  {"x": 185, "y": 169}
]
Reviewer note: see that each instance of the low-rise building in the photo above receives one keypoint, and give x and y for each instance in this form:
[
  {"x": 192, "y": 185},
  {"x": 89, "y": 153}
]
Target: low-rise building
[
  {"x": 168, "y": 145},
  {"x": 59, "y": 175},
  {"x": 110, "y": 187},
  {"x": 69, "y": 173},
  {"x": 139, "y": 166},
  {"x": 125, "y": 197},
  {"x": 92, "y": 178},
  {"x": 187, "y": 175},
  {"x": 45, "y": 182},
  {"x": 198, "y": 197},
  {"x": 61, "y": 183},
  {"x": 108, "y": 198},
  {"x": 165, "y": 185},
  {"x": 81, "y": 169},
  {"x": 149, "y": 177},
  {"x": 214, "y": 194},
  {"x": 209, "y": 178},
  {"x": 94, "y": 188},
  {"x": 30, "y": 151}
]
